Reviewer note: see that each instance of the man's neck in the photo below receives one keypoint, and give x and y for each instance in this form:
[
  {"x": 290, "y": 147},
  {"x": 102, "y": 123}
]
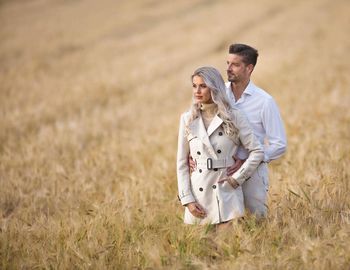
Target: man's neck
[{"x": 238, "y": 89}]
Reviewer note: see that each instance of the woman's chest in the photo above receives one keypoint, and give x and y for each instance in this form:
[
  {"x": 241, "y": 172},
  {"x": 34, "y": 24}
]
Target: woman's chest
[{"x": 220, "y": 144}]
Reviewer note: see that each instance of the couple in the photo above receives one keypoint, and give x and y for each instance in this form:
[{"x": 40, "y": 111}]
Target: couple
[{"x": 225, "y": 141}]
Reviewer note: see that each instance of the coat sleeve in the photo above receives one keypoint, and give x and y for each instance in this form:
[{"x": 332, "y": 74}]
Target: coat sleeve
[
  {"x": 251, "y": 143},
  {"x": 183, "y": 170}
]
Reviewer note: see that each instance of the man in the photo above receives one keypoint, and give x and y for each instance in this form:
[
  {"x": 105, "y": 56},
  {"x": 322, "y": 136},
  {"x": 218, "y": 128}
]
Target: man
[{"x": 264, "y": 117}]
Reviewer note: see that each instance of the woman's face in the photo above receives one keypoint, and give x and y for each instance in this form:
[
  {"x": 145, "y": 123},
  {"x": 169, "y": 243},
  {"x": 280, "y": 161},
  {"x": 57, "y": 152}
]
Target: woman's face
[{"x": 201, "y": 91}]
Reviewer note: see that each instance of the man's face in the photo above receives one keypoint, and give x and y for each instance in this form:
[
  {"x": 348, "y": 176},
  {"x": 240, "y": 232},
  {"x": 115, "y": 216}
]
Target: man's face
[{"x": 237, "y": 70}]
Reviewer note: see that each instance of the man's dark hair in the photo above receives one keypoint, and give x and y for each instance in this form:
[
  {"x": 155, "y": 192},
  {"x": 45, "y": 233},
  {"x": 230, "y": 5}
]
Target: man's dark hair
[{"x": 249, "y": 54}]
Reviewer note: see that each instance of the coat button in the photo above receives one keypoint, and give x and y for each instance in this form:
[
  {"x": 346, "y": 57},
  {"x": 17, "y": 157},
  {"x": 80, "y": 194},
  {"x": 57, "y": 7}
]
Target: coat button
[
  {"x": 220, "y": 133},
  {"x": 219, "y": 151},
  {"x": 200, "y": 189},
  {"x": 214, "y": 186},
  {"x": 200, "y": 170},
  {"x": 216, "y": 169},
  {"x": 198, "y": 153}
]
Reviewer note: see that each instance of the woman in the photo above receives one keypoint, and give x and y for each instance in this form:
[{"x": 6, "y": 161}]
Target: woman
[{"x": 210, "y": 132}]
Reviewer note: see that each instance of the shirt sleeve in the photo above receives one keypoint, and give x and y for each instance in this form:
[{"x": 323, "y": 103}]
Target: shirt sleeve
[
  {"x": 241, "y": 153},
  {"x": 251, "y": 143},
  {"x": 183, "y": 170},
  {"x": 275, "y": 141}
]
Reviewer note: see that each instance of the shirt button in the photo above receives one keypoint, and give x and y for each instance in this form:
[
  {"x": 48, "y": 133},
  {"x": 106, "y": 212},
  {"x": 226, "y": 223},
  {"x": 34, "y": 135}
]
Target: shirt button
[
  {"x": 200, "y": 189},
  {"x": 220, "y": 133},
  {"x": 198, "y": 153},
  {"x": 219, "y": 151},
  {"x": 214, "y": 186},
  {"x": 216, "y": 169},
  {"x": 200, "y": 170}
]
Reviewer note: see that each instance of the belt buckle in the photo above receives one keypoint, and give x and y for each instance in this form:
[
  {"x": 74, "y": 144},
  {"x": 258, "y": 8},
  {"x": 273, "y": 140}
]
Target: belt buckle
[{"x": 209, "y": 164}]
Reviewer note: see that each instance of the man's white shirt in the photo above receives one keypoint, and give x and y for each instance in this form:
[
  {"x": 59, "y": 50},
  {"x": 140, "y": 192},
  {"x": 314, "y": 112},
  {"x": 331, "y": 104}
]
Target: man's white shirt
[{"x": 265, "y": 119}]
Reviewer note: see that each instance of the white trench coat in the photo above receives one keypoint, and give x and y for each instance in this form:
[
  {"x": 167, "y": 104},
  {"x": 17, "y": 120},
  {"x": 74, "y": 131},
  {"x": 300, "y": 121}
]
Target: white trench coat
[{"x": 212, "y": 150}]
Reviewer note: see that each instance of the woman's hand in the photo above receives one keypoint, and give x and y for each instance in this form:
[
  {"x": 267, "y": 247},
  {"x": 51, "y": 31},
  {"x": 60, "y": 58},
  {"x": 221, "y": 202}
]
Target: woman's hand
[
  {"x": 196, "y": 209},
  {"x": 230, "y": 180}
]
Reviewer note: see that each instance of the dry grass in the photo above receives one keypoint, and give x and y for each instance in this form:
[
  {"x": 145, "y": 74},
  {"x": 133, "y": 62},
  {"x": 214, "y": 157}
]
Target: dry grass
[{"x": 90, "y": 97}]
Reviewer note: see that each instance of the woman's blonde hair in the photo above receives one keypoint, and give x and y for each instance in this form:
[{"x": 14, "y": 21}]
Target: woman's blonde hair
[{"x": 214, "y": 81}]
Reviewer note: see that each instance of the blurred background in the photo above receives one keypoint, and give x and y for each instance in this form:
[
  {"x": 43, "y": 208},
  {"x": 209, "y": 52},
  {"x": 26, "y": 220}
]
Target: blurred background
[{"x": 90, "y": 97}]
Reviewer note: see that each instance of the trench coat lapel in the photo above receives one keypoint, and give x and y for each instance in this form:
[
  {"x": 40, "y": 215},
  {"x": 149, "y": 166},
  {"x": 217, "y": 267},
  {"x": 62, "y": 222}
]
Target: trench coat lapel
[
  {"x": 214, "y": 124},
  {"x": 198, "y": 129}
]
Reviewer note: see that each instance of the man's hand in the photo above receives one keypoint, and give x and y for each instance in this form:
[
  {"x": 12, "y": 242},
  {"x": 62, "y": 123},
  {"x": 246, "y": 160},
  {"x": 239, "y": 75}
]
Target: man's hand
[
  {"x": 230, "y": 180},
  {"x": 196, "y": 209},
  {"x": 235, "y": 167},
  {"x": 192, "y": 164}
]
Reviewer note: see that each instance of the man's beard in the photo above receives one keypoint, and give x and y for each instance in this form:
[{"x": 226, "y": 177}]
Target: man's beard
[{"x": 231, "y": 78}]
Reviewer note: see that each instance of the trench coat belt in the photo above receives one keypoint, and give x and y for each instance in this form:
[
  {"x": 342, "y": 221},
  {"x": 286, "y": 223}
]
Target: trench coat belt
[{"x": 210, "y": 163}]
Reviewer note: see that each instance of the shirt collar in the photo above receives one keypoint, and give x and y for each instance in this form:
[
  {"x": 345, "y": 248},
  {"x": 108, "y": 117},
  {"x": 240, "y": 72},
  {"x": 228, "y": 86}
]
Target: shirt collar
[{"x": 249, "y": 90}]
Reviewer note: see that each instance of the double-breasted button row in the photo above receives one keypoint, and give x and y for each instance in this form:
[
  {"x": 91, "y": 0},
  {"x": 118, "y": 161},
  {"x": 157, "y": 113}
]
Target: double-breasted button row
[
  {"x": 215, "y": 169},
  {"x": 201, "y": 189}
]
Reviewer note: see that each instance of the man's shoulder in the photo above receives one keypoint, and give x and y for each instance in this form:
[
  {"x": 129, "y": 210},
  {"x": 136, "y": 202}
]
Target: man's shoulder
[
  {"x": 253, "y": 90},
  {"x": 261, "y": 93}
]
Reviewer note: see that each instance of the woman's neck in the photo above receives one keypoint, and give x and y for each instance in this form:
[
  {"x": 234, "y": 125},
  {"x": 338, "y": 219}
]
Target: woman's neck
[
  {"x": 208, "y": 112},
  {"x": 209, "y": 109}
]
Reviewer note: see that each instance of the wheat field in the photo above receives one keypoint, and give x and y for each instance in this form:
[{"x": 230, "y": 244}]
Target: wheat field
[{"x": 90, "y": 97}]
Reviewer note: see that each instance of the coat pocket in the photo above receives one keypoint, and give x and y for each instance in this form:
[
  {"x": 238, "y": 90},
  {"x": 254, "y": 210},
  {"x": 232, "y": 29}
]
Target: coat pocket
[{"x": 226, "y": 187}]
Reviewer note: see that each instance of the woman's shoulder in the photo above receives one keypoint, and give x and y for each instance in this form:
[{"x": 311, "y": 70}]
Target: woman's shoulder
[{"x": 185, "y": 115}]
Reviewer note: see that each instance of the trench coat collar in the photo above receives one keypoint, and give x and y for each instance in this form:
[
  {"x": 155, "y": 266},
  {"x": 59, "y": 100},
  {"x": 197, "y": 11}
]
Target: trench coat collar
[
  {"x": 198, "y": 129},
  {"x": 214, "y": 124}
]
